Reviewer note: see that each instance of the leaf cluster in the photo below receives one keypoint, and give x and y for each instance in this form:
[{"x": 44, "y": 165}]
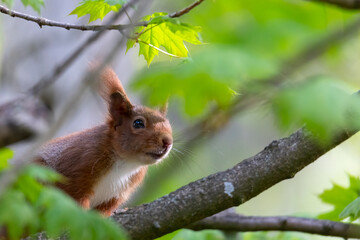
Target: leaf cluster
[
  {"x": 322, "y": 104},
  {"x": 28, "y": 207},
  {"x": 345, "y": 201},
  {"x": 166, "y": 32}
]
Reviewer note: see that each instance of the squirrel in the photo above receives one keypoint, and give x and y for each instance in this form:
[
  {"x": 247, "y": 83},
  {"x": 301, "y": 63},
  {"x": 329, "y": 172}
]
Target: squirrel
[{"x": 103, "y": 165}]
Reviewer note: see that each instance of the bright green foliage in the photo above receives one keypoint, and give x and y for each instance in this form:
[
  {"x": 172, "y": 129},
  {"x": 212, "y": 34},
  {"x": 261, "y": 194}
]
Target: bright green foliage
[
  {"x": 97, "y": 9},
  {"x": 197, "y": 82},
  {"x": 166, "y": 32},
  {"x": 344, "y": 199},
  {"x": 323, "y": 105},
  {"x": 32, "y": 207}
]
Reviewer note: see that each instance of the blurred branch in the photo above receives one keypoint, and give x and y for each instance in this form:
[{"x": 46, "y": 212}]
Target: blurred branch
[
  {"x": 18, "y": 121},
  {"x": 280, "y": 160},
  {"x": 21, "y": 119},
  {"x": 48, "y": 80},
  {"x": 8, "y": 177},
  {"x": 46, "y": 22},
  {"x": 234, "y": 222},
  {"x": 349, "y": 4}
]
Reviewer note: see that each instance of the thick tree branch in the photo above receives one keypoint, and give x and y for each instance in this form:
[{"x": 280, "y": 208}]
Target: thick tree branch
[
  {"x": 349, "y": 4},
  {"x": 281, "y": 160},
  {"x": 237, "y": 223},
  {"x": 46, "y": 22}
]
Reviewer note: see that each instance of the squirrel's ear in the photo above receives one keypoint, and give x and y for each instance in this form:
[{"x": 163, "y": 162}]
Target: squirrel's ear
[
  {"x": 119, "y": 106},
  {"x": 163, "y": 109}
]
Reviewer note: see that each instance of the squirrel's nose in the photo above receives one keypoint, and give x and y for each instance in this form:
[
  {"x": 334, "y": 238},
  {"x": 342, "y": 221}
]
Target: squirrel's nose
[{"x": 167, "y": 141}]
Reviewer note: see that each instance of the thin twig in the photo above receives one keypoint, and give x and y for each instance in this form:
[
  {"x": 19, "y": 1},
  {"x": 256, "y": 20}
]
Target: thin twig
[
  {"x": 46, "y": 22},
  {"x": 68, "y": 26},
  {"x": 185, "y": 10},
  {"x": 239, "y": 223}
]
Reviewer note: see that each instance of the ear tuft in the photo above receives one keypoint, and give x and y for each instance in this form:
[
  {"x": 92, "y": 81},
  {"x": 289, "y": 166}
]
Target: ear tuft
[{"x": 163, "y": 109}]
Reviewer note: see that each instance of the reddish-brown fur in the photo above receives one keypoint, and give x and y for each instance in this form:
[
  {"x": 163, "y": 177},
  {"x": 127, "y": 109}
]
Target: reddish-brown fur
[{"x": 86, "y": 158}]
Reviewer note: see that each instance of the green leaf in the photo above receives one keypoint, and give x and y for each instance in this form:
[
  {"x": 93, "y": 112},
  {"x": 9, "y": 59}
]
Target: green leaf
[
  {"x": 352, "y": 210},
  {"x": 35, "y": 4},
  {"x": 41, "y": 173},
  {"x": 17, "y": 215},
  {"x": 343, "y": 200},
  {"x": 5, "y": 155},
  {"x": 97, "y": 9},
  {"x": 322, "y": 104},
  {"x": 165, "y": 32}
]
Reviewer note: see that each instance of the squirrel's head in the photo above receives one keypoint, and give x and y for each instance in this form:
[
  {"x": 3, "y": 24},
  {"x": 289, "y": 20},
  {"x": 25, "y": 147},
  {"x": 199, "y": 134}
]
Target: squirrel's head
[{"x": 138, "y": 133}]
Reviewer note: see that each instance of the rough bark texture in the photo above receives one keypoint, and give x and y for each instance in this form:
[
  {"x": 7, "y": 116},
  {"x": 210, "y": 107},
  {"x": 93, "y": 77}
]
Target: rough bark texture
[
  {"x": 281, "y": 160},
  {"x": 234, "y": 222},
  {"x": 22, "y": 119}
]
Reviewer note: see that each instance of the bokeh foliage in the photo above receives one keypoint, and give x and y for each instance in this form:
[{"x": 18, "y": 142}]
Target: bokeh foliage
[
  {"x": 345, "y": 201},
  {"x": 29, "y": 207}
]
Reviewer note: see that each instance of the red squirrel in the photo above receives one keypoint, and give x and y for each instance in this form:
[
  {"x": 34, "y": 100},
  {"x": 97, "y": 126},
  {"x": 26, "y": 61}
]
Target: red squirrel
[{"x": 104, "y": 164}]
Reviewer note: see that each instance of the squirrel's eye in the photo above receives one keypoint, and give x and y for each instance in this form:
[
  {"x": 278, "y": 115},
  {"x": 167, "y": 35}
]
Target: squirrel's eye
[{"x": 138, "y": 123}]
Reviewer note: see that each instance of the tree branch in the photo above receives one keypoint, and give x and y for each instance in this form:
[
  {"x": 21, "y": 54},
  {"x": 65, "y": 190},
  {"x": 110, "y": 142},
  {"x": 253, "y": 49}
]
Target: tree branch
[
  {"x": 280, "y": 160},
  {"x": 21, "y": 119},
  {"x": 349, "y": 4},
  {"x": 46, "y": 22},
  {"x": 234, "y": 222}
]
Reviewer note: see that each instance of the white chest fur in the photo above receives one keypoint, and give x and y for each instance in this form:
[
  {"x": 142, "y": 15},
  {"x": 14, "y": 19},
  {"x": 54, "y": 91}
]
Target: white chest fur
[{"x": 114, "y": 182}]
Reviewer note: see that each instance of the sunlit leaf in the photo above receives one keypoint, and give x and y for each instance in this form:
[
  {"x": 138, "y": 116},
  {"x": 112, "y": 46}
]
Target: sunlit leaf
[
  {"x": 343, "y": 200},
  {"x": 165, "y": 32},
  {"x": 97, "y": 9}
]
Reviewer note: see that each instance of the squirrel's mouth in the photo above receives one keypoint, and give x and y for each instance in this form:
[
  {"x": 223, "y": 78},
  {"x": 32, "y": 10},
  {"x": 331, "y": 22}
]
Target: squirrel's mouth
[{"x": 159, "y": 153}]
